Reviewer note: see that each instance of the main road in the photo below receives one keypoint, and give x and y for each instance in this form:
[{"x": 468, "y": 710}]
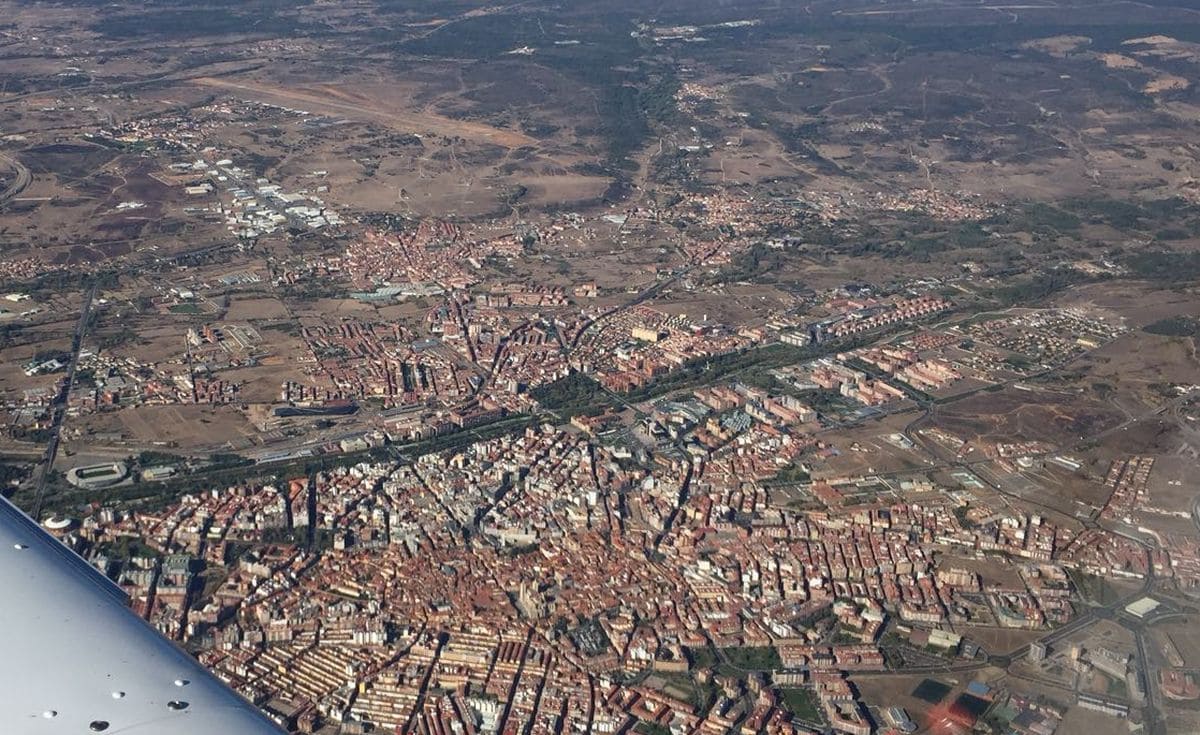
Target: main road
[{"x": 59, "y": 407}]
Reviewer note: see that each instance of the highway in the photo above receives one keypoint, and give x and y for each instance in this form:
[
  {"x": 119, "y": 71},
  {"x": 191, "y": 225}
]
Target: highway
[
  {"x": 649, "y": 292},
  {"x": 59, "y": 407},
  {"x": 1153, "y": 705},
  {"x": 644, "y": 295},
  {"x": 19, "y": 184}
]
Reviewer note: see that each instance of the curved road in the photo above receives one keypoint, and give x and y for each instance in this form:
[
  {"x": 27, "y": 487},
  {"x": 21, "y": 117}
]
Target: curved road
[{"x": 22, "y": 180}]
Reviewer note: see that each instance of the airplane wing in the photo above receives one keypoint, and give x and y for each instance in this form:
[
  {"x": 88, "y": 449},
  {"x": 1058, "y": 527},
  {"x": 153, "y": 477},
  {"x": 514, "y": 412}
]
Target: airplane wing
[{"x": 74, "y": 659}]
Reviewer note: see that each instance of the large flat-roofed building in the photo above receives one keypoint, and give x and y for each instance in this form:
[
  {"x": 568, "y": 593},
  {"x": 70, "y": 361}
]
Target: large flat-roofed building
[
  {"x": 1142, "y": 607},
  {"x": 645, "y": 334},
  {"x": 1100, "y": 704},
  {"x": 898, "y": 718},
  {"x": 1037, "y": 651},
  {"x": 1113, "y": 663}
]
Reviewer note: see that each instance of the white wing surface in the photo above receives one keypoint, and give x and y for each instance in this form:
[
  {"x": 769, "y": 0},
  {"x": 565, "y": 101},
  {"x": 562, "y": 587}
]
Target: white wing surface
[{"x": 75, "y": 660}]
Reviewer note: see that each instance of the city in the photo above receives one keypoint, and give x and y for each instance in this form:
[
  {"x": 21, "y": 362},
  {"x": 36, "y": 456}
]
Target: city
[{"x": 569, "y": 368}]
